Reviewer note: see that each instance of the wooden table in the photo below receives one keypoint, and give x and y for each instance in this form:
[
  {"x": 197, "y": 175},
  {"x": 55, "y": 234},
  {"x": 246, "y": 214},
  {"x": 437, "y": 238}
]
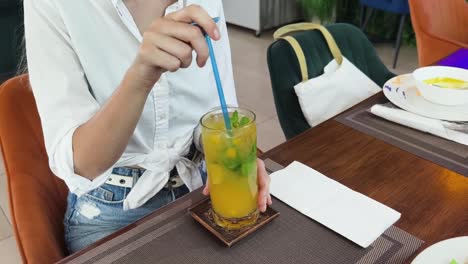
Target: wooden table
[{"x": 433, "y": 200}]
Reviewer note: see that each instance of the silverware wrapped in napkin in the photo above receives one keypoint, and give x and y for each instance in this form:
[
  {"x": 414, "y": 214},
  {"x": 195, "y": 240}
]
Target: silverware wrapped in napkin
[{"x": 455, "y": 131}]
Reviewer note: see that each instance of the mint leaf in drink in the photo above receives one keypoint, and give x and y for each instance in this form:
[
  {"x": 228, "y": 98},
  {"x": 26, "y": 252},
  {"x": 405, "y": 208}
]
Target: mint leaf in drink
[
  {"x": 248, "y": 168},
  {"x": 244, "y": 121},
  {"x": 231, "y": 164},
  {"x": 235, "y": 117},
  {"x": 230, "y": 159},
  {"x": 453, "y": 261},
  {"x": 237, "y": 121}
]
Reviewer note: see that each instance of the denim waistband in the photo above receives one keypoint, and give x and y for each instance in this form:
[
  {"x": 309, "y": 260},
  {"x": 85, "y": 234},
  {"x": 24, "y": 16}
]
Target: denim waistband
[
  {"x": 126, "y": 171},
  {"x": 135, "y": 172}
]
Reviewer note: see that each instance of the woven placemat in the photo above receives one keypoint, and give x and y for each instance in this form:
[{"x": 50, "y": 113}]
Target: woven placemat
[
  {"x": 174, "y": 237},
  {"x": 446, "y": 153}
]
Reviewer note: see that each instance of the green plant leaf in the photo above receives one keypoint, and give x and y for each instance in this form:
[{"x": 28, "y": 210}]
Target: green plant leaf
[
  {"x": 323, "y": 9},
  {"x": 382, "y": 26}
]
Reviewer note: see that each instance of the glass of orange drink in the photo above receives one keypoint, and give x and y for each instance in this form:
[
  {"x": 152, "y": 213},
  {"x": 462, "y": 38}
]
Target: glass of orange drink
[{"x": 231, "y": 159}]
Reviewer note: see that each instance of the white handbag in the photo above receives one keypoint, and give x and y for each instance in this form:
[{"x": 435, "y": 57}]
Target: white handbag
[{"x": 341, "y": 86}]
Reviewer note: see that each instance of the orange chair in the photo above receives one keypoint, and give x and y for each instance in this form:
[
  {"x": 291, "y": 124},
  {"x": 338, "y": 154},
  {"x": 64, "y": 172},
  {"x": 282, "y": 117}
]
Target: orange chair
[
  {"x": 37, "y": 197},
  {"x": 441, "y": 28}
]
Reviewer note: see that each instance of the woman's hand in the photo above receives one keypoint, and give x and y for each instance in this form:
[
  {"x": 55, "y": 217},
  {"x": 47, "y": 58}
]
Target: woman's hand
[
  {"x": 263, "y": 182},
  {"x": 168, "y": 45}
]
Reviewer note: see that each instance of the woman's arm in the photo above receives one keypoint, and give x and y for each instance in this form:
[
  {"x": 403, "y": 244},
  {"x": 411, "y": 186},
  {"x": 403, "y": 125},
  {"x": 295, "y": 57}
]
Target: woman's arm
[
  {"x": 167, "y": 46},
  {"x": 81, "y": 137},
  {"x": 107, "y": 133}
]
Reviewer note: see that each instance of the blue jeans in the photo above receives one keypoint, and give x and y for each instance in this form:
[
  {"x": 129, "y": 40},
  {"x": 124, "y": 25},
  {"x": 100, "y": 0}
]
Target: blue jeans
[{"x": 100, "y": 213}]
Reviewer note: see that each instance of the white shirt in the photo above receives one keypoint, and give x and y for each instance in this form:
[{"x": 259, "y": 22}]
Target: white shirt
[{"x": 78, "y": 53}]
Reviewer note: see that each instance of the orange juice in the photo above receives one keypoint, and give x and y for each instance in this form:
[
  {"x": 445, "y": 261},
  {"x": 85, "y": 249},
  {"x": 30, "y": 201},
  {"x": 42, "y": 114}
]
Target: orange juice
[{"x": 231, "y": 159}]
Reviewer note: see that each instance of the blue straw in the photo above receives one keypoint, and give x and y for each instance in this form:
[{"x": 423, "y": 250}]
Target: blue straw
[{"x": 222, "y": 100}]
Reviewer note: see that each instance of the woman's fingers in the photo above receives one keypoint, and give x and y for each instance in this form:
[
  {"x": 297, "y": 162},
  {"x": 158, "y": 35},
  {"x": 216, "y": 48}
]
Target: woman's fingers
[
  {"x": 186, "y": 33},
  {"x": 195, "y": 13},
  {"x": 188, "y": 15},
  {"x": 206, "y": 190},
  {"x": 169, "y": 43},
  {"x": 179, "y": 49},
  {"x": 158, "y": 58},
  {"x": 263, "y": 181},
  {"x": 174, "y": 35}
]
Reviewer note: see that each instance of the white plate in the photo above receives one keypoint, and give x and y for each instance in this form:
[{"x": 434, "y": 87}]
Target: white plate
[
  {"x": 444, "y": 251},
  {"x": 402, "y": 92}
]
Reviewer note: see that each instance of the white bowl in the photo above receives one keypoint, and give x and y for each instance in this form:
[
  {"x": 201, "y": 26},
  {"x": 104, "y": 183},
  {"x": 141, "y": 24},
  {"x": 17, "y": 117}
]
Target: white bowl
[{"x": 439, "y": 95}]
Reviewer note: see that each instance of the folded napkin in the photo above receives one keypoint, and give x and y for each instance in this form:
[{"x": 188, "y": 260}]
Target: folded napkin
[
  {"x": 349, "y": 213},
  {"x": 457, "y": 132}
]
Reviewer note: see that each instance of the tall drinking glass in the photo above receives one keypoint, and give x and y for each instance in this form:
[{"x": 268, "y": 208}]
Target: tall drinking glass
[{"x": 231, "y": 158}]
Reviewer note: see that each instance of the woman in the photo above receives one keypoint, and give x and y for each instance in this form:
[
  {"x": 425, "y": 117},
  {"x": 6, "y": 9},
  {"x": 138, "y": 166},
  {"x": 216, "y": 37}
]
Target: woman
[{"x": 120, "y": 86}]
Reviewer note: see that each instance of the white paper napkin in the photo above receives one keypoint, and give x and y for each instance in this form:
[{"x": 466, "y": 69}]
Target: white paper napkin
[
  {"x": 349, "y": 213},
  {"x": 436, "y": 127}
]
